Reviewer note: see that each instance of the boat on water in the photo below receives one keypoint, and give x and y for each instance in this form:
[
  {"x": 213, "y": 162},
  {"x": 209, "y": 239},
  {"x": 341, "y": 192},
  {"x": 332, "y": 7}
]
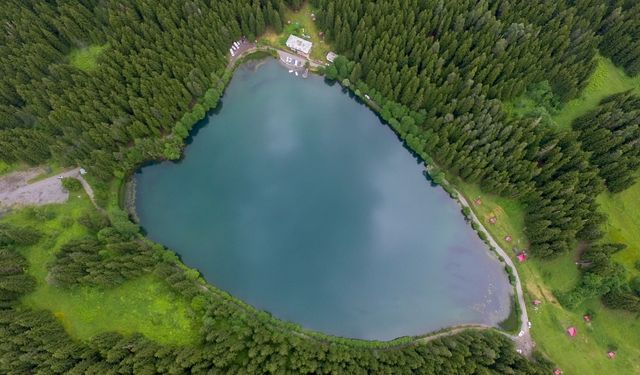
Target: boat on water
[
  {"x": 296, "y": 74},
  {"x": 290, "y": 71}
]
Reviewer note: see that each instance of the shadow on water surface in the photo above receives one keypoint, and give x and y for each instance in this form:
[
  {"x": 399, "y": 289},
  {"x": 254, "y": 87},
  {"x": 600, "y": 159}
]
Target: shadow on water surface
[{"x": 201, "y": 124}]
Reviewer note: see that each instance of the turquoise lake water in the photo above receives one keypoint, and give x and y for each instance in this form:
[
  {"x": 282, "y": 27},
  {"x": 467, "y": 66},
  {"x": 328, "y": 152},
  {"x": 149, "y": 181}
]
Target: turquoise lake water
[{"x": 296, "y": 199}]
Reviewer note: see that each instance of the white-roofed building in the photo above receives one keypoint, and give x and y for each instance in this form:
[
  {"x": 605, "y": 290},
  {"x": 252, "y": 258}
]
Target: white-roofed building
[{"x": 299, "y": 45}]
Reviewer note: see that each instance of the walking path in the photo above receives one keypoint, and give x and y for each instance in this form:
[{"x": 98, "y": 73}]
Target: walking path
[
  {"x": 524, "y": 341},
  {"x": 247, "y": 48}
]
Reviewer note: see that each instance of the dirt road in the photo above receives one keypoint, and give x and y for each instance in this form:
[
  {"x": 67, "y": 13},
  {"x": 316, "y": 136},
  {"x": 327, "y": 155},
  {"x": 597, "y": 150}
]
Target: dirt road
[{"x": 524, "y": 341}]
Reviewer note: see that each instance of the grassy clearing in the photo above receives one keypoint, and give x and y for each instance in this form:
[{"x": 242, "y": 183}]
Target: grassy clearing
[
  {"x": 143, "y": 305},
  {"x": 586, "y": 353},
  {"x": 606, "y": 80},
  {"x": 86, "y": 58},
  {"x": 520, "y": 106},
  {"x": 301, "y": 23},
  {"x": 623, "y": 225},
  {"x": 623, "y": 209},
  {"x": 508, "y": 212}
]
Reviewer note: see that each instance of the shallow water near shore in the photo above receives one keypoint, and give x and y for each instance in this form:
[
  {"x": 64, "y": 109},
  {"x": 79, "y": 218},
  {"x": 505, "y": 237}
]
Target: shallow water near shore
[{"x": 296, "y": 199}]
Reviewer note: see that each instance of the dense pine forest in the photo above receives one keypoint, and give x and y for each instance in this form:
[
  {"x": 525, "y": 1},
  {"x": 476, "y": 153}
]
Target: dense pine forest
[
  {"x": 611, "y": 134},
  {"x": 445, "y": 99},
  {"x": 440, "y": 73}
]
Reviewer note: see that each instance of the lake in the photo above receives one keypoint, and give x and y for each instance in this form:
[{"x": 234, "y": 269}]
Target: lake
[{"x": 298, "y": 200}]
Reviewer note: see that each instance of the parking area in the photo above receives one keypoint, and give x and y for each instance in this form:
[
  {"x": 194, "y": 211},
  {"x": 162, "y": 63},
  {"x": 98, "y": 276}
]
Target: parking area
[
  {"x": 293, "y": 62},
  {"x": 239, "y": 47}
]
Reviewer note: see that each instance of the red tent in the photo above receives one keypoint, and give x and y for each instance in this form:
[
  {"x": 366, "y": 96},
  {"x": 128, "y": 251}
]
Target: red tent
[
  {"x": 572, "y": 331},
  {"x": 536, "y": 302},
  {"x": 611, "y": 355},
  {"x": 522, "y": 256},
  {"x": 557, "y": 372},
  {"x": 586, "y": 318}
]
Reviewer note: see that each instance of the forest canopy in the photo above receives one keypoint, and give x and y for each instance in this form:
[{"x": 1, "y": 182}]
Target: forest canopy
[{"x": 440, "y": 72}]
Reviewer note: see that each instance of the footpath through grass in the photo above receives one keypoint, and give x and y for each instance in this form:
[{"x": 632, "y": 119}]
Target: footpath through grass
[
  {"x": 609, "y": 329},
  {"x": 143, "y": 305},
  {"x": 86, "y": 58}
]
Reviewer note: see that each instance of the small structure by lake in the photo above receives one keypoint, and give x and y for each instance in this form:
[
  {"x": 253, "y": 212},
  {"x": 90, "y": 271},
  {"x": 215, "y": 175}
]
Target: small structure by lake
[
  {"x": 331, "y": 56},
  {"x": 299, "y": 45}
]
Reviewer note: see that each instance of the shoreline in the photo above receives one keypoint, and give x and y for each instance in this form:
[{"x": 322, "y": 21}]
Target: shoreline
[
  {"x": 294, "y": 328},
  {"x": 525, "y": 342}
]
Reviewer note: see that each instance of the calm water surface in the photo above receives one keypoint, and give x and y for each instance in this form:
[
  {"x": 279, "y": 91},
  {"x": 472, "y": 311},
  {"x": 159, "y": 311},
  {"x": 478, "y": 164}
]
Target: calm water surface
[{"x": 298, "y": 200}]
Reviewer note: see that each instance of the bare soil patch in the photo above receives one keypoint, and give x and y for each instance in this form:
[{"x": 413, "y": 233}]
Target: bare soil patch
[{"x": 16, "y": 191}]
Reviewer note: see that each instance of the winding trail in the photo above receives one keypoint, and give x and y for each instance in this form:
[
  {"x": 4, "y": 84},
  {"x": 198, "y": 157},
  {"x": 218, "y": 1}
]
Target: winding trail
[{"x": 523, "y": 342}]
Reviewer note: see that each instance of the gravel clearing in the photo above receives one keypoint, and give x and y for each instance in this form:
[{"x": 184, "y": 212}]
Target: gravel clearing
[{"x": 16, "y": 191}]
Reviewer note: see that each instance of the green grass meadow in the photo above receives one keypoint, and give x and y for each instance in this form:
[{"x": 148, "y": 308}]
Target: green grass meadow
[
  {"x": 609, "y": 329},
  {"x": 623, "y": 225},
  {"x": 86, "y": 58},
  {"x": 606, "y": 80},
  {"x": 143, "y": 305}
]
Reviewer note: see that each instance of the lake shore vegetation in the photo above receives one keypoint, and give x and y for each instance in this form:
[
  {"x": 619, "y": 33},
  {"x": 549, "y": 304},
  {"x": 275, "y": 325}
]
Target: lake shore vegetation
[{"x": 445, "y": 75}]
